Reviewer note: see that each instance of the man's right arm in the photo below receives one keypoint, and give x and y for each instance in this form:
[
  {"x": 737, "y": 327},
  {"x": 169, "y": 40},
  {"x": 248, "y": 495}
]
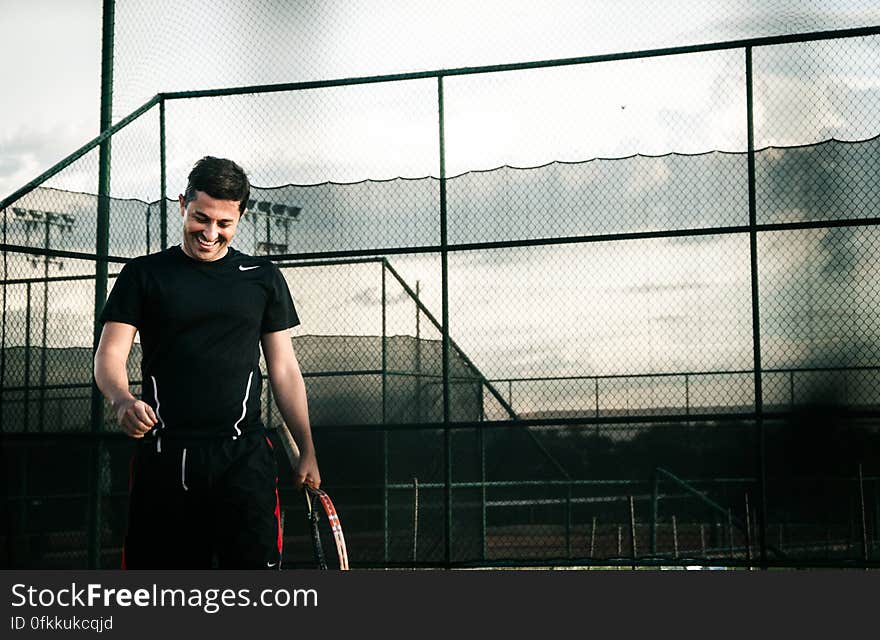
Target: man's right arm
[{"x": 135, "y": 416}]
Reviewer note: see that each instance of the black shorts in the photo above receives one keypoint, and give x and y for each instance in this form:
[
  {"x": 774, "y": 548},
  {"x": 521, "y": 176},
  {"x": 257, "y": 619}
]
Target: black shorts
[{"x": 204, "y": 504}]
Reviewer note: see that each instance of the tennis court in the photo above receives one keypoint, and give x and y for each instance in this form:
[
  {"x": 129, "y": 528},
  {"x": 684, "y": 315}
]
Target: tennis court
[{"x": 602, "y": 310}]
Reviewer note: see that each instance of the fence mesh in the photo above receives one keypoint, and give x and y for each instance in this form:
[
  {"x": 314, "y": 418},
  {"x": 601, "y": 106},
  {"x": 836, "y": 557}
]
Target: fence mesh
[{"x": 607, "y": 293}]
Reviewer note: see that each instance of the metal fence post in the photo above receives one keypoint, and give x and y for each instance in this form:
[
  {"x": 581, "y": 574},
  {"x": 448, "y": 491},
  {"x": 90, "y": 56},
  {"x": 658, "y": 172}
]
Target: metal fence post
[
  {"x": 27, "y": 359},
  {"x": 863, "y": 520},
  {"x": 3, "y": 327},
  {"x": 756, "y": 316},
  {"x": 163, "y": 179},
  {"x": 482, "y": 438},
  {"x": 418, "y": 354},
  {"x": 444, "y": 261},
  {"x": 415, "y": 538},
  {"x": 568, "y": 520},
  {"x": 44, "y": 343},
  {"x": 632, "y": 531},
  {"x": 386, "y": 515},
  {"x": 384, "y": 347},
  {"x": 102, "y": 249},
  {"x": 655, "y": 497}
]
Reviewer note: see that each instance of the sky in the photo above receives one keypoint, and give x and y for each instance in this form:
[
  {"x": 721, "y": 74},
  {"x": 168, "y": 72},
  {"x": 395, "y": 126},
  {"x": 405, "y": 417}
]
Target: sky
[
  {"x": 53, "y": 82},
  {"x": 51, "y": 74},
  {"x": 620, "y": 307}
]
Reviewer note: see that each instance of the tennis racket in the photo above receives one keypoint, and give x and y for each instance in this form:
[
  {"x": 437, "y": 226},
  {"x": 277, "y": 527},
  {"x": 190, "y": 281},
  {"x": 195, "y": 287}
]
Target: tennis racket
[{"x": 324, "y": 523}]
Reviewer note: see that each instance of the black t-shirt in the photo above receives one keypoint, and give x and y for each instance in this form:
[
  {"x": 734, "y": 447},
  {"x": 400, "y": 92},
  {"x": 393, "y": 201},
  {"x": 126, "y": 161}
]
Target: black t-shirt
[{"x": 200, "y": 325}]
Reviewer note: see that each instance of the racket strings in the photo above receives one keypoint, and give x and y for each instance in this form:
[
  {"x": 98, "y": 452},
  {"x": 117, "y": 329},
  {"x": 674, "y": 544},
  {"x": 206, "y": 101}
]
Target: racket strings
[{"x": 313, "y": 517}]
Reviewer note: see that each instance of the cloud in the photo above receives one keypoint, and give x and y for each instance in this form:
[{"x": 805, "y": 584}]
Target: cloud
[{"x": 27, "y": 152}]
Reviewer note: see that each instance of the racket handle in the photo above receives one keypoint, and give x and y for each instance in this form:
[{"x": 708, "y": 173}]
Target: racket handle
[{"x": 290, "y": 447}]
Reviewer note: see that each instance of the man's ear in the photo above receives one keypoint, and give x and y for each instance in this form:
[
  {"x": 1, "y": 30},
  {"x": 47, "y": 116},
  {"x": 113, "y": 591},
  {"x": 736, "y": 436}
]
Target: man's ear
[{"x": 182, "y": 202}]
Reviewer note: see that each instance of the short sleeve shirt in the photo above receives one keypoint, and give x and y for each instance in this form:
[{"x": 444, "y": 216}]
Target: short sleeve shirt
[{"x": 200, "y": 325}]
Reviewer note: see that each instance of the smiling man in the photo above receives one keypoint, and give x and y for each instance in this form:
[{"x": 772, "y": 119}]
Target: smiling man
[{"x": 203, "y": 486}]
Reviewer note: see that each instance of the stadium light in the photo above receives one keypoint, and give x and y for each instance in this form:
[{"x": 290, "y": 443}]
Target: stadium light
[
  {"x": 281, "y": 214},
  {"x": 35, "y": 219}
]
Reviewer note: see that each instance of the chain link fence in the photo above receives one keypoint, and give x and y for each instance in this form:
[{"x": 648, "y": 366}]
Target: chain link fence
[{"x": 610, "y": 311}]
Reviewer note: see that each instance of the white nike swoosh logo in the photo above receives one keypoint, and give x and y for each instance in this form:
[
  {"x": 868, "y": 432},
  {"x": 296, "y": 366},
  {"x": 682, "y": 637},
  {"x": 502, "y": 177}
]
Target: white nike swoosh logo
[
  {"x": 244, "y": 268},
  {"x": 271, "y": 564}
]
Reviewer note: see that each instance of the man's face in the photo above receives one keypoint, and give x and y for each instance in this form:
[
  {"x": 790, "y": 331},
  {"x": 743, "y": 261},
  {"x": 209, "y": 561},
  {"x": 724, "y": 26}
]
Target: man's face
[{"x": 208, "y": 226}]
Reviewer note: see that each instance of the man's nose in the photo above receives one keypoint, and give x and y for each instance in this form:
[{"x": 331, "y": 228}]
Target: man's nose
[{"x": 210, "y": 231}]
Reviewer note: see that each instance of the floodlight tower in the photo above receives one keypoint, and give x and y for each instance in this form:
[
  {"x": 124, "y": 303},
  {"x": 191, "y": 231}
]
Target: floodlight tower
[{"x": 278, "y": 213}]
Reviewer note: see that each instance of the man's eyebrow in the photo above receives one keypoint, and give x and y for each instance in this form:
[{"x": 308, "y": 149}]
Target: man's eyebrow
[{"x": 205, "y": 215}]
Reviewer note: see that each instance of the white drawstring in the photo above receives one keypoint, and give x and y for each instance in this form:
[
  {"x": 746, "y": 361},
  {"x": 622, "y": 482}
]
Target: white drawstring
[{"x": 183, "y": 471}]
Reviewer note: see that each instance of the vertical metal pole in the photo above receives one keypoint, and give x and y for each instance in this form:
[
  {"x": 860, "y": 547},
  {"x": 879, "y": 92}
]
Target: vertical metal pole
[
  {"x": 863, "y": 518},
  {"x": 444, "y": 262},
  {"x": 655, "y": 508},
  {"x": 756, "y": 317},
  {"x": 674, "y": 537},
  {"x": 483, "y": 524},
  {"x": 596, "y": 384},
  {"x": 268, "y": 233},
  {"x": 163, "y": 179},
  {"x": 147, "y": 224},
  {"x": 3, "y": 326},
  {"x": 632, "y": 531},
  {"x": 418, "y": 354},
  {"x": 386, "y": 509},
  {"x": 593, "y": 539},
  {"x": 687, "y": 395},
  {"x": 415, "y": 543},
  {"x": 24, "y": 501},
  {"x": 748, "y": 532},
  {"x": 102, "y": 248},
  {"x": 568, "y": 521},
  {"x": 41, "y": 406},
  {"x": 27, "y": 360},
  {"x": 876, "y": 513},
  {"x": 384, "y": 345}
]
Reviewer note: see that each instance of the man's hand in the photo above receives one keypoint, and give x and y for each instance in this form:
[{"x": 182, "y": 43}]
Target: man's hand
[
  {"x": 306, "y": 472},
  {"x": 135, "y": 417}
]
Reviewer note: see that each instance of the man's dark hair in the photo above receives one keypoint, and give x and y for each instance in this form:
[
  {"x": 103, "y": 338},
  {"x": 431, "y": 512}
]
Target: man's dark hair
[{"x": 219, "y": 178}]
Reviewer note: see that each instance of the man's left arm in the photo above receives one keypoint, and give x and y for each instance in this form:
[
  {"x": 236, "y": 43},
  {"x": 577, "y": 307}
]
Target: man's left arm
[{"x": 289, "y": 388}]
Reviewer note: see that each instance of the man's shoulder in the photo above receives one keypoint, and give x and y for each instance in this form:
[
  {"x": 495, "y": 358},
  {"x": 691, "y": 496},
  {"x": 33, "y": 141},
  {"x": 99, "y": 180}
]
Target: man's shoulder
[{"x": 152, "y": 260}]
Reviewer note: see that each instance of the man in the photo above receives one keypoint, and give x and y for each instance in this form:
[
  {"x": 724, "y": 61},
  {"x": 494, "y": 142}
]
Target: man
[{"x": 203, "y": 475}]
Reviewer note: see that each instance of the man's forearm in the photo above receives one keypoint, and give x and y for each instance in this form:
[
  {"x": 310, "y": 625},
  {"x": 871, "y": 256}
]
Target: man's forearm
[
  {"x": 295, "y": 431},
  {"x": 290, "y": 398},
  {"x": 112, "y": 380}
]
